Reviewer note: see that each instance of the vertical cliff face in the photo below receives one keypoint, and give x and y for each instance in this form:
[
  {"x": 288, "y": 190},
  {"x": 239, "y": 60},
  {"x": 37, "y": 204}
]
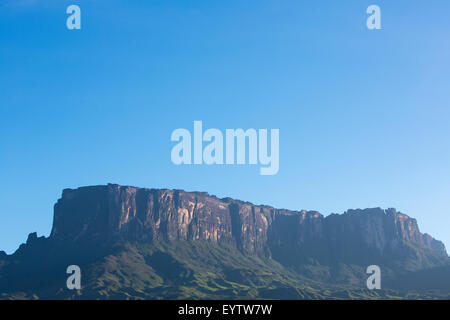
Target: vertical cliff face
[
  {"x": 371, "y": 234},
  {"x": 101, "y": 213},
  {"x": 378, "y": 228}
]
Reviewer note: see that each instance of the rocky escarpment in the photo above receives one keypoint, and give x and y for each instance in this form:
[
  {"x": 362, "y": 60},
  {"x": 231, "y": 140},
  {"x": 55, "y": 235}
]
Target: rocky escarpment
[
  {"x": 100, "y": 213},
  {"x": 152, "y": 244}
]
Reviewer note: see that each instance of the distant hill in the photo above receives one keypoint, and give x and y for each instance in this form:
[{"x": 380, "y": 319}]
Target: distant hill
[{"x": 136, "y": 243}]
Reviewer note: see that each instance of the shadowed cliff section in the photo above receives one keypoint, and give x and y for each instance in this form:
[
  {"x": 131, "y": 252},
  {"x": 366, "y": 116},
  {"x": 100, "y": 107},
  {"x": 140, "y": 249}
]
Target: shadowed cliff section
[{"x": 160, "y": 243}]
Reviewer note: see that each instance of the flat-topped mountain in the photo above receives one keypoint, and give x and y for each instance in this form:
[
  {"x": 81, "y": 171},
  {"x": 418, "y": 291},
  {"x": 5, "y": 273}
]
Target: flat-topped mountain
[
  {"x": 100, "y": 213},
  {"x": 187, "y": 233}
]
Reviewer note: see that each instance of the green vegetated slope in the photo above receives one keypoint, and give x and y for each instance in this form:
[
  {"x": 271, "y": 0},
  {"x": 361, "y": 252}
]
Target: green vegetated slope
[{"x": 188, "y": 270}]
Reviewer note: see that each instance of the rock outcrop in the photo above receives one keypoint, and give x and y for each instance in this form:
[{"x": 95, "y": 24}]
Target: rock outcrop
[
  {"x": 100, "y": 213},
  {"x": 152, "y": 244}
]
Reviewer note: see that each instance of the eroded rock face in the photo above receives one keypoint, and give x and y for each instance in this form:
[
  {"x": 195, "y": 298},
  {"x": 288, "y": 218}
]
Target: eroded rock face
[
  {"x": 102, "y": 212},
  {"x": 99, "y": 213}
]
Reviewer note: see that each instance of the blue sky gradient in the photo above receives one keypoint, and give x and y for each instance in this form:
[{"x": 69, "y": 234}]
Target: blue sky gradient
[{"x": 363, "y": 115}]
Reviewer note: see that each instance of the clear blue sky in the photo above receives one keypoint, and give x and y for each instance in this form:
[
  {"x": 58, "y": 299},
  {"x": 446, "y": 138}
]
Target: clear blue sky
[{"x": 364, "y": 116}]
